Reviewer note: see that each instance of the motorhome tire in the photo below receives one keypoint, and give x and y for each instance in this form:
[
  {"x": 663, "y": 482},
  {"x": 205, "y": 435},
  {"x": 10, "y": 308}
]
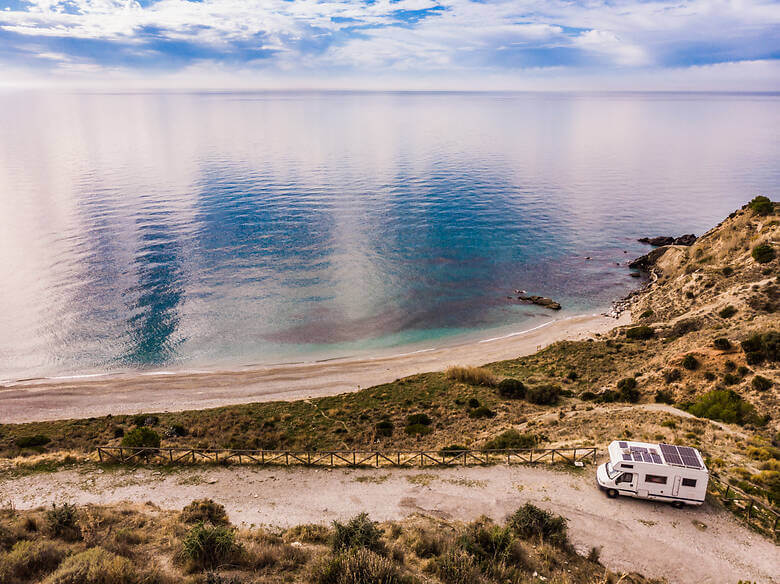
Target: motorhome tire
[
  {"x": 612, "y": 493},
  {"x": 678, "y": 504}
]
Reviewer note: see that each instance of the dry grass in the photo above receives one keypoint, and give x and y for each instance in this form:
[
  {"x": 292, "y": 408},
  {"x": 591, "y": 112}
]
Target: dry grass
[{"x": 472, "y": 375}]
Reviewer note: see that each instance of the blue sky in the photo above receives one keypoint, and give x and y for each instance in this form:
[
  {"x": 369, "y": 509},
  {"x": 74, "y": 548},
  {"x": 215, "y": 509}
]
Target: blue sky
[{"x": 393, "y": 44}]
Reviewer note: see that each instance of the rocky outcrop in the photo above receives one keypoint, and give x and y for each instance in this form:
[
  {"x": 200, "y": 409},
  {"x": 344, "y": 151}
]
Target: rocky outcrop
[
  {"x": 687, "y": 239},
  {"x": 645, "y": 262},
  {"x": 541, "y": 301}
]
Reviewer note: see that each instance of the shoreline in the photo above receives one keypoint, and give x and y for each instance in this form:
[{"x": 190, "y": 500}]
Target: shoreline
[{"x": 90, "y": 395}]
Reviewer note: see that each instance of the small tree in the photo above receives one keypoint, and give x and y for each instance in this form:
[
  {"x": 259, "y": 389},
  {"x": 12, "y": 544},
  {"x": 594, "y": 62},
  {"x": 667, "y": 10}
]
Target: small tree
[
  {"x": 761, "y": 205},
  {"x": 763, "y": 253},
  {"x": 141, "y": 438},
  {"x": 511, "y": 388}
]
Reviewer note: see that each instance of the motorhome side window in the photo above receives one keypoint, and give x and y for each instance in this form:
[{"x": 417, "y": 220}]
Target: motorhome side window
[
  {"x": 626, "y": 477},
  {"x": 689, "y": 482},
  {"x": 659, "y": 480}
]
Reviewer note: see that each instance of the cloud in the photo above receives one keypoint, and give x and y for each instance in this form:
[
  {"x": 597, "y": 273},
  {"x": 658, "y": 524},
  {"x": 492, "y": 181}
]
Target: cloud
[{"x": 363, "y": 39}]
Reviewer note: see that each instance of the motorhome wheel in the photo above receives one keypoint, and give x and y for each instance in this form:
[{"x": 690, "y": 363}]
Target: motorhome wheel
[{"x": 612, "y": 493}]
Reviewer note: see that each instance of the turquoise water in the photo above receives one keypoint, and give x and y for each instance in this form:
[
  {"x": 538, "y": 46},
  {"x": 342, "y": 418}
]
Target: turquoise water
[{"x": 218, "y": 230}]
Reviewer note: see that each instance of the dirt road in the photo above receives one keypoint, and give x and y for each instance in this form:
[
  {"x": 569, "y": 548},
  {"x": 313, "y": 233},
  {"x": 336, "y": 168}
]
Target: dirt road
[{"x": 703, "y": 545}]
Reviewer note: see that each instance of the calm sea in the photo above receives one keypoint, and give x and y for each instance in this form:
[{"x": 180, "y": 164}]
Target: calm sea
[{"x": 171, "y": 231}]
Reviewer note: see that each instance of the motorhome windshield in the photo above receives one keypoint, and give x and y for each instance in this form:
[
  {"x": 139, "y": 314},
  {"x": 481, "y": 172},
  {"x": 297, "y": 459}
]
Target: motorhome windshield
[{"x": 611, "y": 473}]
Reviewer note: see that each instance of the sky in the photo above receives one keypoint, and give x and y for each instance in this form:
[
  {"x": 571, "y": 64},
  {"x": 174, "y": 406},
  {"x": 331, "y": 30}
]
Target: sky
[{"x": 392, "y": 44}]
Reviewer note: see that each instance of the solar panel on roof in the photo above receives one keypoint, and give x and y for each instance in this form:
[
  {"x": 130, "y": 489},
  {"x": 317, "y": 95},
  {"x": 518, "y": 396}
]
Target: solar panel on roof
[
  {"x": 623, "y": 444},
  {"x": 671, "y": 456},
  {"x": 689, "y": 456},
  {"x": 656, "y": 458},
  {"x": 626, "y": 457}
]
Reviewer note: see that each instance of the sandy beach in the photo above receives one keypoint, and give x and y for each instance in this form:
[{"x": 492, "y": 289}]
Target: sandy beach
[{"x": 82, "y": 397}]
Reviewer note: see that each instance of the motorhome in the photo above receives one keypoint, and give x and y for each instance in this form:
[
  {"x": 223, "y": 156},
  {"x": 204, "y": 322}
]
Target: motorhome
[{"x": 662, "y": 472}]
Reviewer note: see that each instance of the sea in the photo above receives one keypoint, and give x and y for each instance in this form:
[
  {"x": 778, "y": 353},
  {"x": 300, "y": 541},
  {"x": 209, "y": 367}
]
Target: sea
[{"x": 165, "y": 231}]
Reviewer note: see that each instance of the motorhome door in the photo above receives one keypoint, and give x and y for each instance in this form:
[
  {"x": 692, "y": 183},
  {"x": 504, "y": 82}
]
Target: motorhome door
[{"x": 676, "y": 486}]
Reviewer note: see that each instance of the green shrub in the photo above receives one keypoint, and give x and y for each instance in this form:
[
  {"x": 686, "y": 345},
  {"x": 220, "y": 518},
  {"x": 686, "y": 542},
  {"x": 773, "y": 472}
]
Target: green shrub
[
  {"x": 543, "y": 394},
  {"x": 724, "y": 405},
  {"x": 423, "y": 419},
  {"x": 730, "y": 379},
  {"x": 722, "y": 344},
  {"x": 762, "y": 347},
  {"x": 452, "y": 449},
  {"x": 727, "y": 312},
  {"x": 473, "y": 402},
  {"x": 664, "y": 396},
  {"x": 141, "y": 437},
  {"x": 761, "y": 383},
  {"x": 357, "y": 566},
  {"x": 763, "y": 253},
  {"x": 709, "y": 376},
  {"x": 30, "y": 560},
  {"x": 512, "y": 439},
  {"x": 646, "y": 314},
  {"x": 358, "y": 532},
  {"x": 472, "y": 375},
  {"x": 62, "y": 521},
  {"x": 628, "y": 390},
  {"x": 32, "y": 441},
  {"x": 529, "y": 521},
  {"x": 671, "y": 375},
  {"x": 488, "y": 543},
  {"x": 511, "y": 388},
  {"x": 207, "y": 547},
  {"x": 572, "y": 376},
  {"x": 640, "y": 333},
  {"x": 761, "y": 205},
  {"x": 690, "y": 362},
  {"x": 418, "y": 430},
  {"x": 588, "y": 395},
  {"x": 457, "y": 567},
  {"x": 482, "y": 412},
  {"x": 204, "y": 510},
  {"x": 384, "y": 428},
  {"x": 95, "y": 566},
  {"x": 727, "y": 271}
]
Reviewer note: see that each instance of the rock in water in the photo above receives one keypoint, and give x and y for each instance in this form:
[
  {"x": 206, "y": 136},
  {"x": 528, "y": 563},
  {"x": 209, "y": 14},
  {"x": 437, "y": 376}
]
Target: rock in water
[
  {"x": 646, "y": 261},
  {"x": 687, "y": 239},
  {"x": 541, "y": 301}
]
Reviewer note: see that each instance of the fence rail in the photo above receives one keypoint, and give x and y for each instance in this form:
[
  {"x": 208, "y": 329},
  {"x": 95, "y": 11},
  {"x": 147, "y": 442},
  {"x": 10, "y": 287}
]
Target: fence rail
[
  {"x": 739, "y": 502},
  {"x": 345, "y": 458}
]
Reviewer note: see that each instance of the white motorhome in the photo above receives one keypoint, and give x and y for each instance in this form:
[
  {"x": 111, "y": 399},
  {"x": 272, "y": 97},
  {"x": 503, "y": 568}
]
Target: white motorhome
[{"x": 663, "y": 472}]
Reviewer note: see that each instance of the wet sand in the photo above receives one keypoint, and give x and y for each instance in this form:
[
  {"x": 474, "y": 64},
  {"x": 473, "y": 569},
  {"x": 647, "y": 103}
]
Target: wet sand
[{"x": 82, "y": 397}]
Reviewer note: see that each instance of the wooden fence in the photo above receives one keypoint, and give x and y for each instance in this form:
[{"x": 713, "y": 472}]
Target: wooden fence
[
  {"x": 344, "y": 458},
  {"x": 755, "y": 512}
]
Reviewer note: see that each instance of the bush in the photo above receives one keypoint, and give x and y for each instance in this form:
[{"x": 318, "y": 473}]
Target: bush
[
  {"x": 452, "y": 449},
  {"x": 572, "y": 376},
  {"x": 722, "y": 344},
  {"x": 204, "y": 510},
  {"x": 763, "y": 253},
  {"x": 32, "y": 441},
  {"x": 730, "y": 379},
  {"x": 511, "y": 388},
  {"x": 727, "y": 312},
  {"x": 529, "y": 521},
  {"x": 690, "y": 362},
  {"x": 512, "y": 439},
  {"x": 384, "y": 428},
  {"x": 457, "y": 567},
  {"x": 761, "y": 205},
  {"x": 62, "y": 521},
  {"x": 761, "y": 383},
  {"x": 423, "y": 419},
  {"x": 141, "y": 437},
  {"x": 647, "y": 313},
  {"x": 664, "y": 396},
  {"x": 724, "y": 405},
  {"x": 30, "y": 560},
  {"x": 95, "y": 566},
  {"x": 207, "y": 547},
  {"x": 671, "y": 375},
  {"x": 358, "y": 532},
  {"x": 762, "y": 347},
  {"x": 727, "y": 271},
  {"x": 489, "y": 543},
  {"x": 473, "y": 402},
  {"x": 588, "y": 396},
  {"x": 357, "y": 566},
  {"x": 482, "y": 412},
  {"x": 418, "y": 430},
  {"x": 628, "y": 390},
  {"x": 472, "y": 375},
  {"x": 640, "y": 333},
  {"x": 543, "y": 394}
]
